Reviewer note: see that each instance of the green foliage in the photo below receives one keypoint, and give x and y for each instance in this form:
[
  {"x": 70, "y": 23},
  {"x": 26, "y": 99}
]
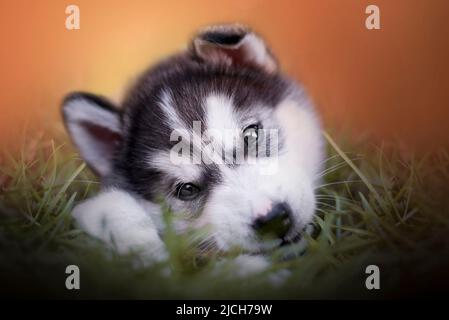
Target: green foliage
[{"x": 376, "y": 205}]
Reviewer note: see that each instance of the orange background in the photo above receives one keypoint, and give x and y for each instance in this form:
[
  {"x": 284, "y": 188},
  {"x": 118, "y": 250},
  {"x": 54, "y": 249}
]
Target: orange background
[{"x": 392, "y": 82}]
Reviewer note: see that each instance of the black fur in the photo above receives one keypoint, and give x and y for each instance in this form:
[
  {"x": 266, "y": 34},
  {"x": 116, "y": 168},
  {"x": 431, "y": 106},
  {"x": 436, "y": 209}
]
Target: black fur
[
  {"x": 222, "y": 38},
  {"x": 189, "y": 82}
]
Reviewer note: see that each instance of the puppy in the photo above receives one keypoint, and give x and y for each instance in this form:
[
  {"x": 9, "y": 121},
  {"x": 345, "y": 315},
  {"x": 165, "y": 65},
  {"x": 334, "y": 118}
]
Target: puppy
[{"x": 218, "y": 133}]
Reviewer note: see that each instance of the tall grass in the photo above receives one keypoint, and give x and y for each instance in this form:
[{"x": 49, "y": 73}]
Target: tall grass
[{"x": 376, "y": 205}]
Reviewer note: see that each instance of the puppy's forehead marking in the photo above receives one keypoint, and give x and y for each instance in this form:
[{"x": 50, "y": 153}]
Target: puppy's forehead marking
[
  {"x": 220, "y": 112},
  {"x": 221, "y": 120}
]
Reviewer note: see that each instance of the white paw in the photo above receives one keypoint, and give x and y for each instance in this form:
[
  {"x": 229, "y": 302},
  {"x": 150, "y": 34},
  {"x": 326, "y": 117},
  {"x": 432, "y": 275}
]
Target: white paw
[{"x": 117, "y": 219}]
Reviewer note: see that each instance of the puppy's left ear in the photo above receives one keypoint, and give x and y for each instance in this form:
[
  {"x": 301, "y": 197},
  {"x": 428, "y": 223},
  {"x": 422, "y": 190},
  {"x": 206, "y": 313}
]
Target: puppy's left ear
[
  {"x": 233, "y": 44},
  {"x": 94, "y": 125}
]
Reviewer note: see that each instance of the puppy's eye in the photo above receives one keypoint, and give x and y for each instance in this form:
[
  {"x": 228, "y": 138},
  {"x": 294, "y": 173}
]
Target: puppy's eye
[
  {"x": 251, "y": 134},
  {"x": 187, "y": 191}
]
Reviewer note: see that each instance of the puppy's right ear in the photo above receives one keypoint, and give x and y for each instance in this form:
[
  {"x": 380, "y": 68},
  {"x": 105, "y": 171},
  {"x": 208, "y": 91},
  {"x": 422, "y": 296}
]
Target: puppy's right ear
[
  {"x": 233, "y": 44},
  {"x": 94, "y": 125}
]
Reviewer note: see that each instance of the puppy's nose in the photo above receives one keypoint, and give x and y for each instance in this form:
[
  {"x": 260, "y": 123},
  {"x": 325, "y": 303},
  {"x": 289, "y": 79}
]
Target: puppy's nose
[{"x": 275, "y": 223}]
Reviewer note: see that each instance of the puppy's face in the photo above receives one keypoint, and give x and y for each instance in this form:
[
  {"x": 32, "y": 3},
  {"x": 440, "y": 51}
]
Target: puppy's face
[{"x": 218, "y": 133}]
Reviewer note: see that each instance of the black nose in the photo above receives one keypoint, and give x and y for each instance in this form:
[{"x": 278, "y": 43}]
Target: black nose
[{"x": 275, "y": 223}]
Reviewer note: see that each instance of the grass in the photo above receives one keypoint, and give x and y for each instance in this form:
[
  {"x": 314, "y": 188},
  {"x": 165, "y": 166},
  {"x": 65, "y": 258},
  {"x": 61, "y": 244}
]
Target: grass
[{"x": 377, "y": 205}]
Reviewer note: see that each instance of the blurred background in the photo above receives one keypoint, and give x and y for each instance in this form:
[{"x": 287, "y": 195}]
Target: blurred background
[{"x": 391, "y": 83}]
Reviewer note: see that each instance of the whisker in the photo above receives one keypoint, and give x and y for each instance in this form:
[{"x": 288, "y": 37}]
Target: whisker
[
  {"x": 336, "y": 167},
  {"x": 336, "y": 183},
  {"x": 330, "y": 170},
  {"x": 342, "y": 199},
  {"x": 207, "y": 244},
  {"x": 326, "y": 204},
  {"x": 329, "y": 158},
  {"x": 332, "y": 157}
]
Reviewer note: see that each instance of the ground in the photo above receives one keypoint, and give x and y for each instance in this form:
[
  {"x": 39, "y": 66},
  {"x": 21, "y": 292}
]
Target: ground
[{"x": 378, "y": 205}]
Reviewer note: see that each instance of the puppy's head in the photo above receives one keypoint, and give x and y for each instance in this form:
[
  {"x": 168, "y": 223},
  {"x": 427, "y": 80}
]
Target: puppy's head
[{"x": 218, "y": 132}]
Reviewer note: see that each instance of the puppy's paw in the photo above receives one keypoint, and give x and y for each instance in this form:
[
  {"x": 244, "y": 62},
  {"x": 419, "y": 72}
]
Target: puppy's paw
[{"x": 117, "y": 219}]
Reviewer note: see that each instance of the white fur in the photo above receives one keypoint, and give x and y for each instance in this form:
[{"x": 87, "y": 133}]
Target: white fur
[
  {"x": 244, "y": 191},
  {"x": 80, "y": 111},
  {"x": 256, "y": 51},
  {"x": 166, "y": 104},
  {"x": 184, "y": 170},
  {"x": 222, "y": 124},
  {"x": 245, "y": 265},
  {"x": 303, "y": 138},
  {"x": 243, "y": 194},
  {"x": 117, "y": 219}
]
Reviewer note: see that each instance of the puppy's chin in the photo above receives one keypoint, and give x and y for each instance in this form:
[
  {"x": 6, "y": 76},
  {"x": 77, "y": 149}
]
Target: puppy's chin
[
  {"x": 269, "y": 244},
  {"x": 256, "y": 245}
]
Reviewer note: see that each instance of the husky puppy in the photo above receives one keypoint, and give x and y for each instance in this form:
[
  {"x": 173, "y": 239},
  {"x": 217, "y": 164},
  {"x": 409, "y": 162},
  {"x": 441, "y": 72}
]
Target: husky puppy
[{"x": 217, "y": 132}]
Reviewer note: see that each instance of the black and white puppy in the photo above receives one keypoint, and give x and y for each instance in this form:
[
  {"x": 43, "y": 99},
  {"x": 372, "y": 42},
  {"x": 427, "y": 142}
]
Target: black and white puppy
[{"x": 217, "y": 132}]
